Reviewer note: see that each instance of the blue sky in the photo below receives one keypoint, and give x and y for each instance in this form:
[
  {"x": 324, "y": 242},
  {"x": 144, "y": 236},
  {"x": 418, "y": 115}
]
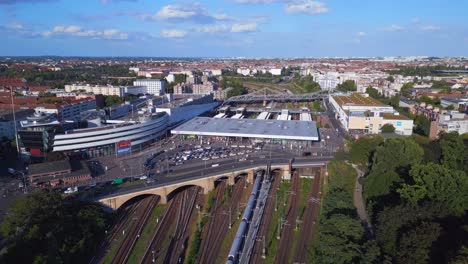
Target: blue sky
[{"x": 234, "y": 28}]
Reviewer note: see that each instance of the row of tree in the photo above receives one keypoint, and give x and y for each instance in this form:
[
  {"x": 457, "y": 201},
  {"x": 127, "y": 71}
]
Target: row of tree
[
  {"x": 341, "y": 238},
  {"x": 42, "y": 227},
  {"x": 416, "y": 192}
]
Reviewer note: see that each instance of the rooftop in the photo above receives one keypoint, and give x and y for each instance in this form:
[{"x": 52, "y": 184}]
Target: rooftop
[
  {"x": 356, "y": 99},
  {"x": 46, "y": 167},
  {"x": 252, "y": 128},
  {"x": 394, "y": 117}
]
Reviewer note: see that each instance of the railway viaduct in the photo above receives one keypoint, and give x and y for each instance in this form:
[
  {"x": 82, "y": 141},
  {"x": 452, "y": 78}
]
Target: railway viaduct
[{"x": 114, "y": 202}]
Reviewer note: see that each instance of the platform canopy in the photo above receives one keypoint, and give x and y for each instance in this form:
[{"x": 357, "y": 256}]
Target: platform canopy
[{"x": 249, "y": 128}]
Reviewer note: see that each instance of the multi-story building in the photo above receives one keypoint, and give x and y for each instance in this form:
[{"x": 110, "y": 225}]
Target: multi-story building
[
  {"x": 153, "y": 86},
  {"x": 112, "y": 137},
  {"x": 67, "y": 110},
  {"x": 135, "y": 90},
  {"x": 104, "y": 90},
  {"x": 327, "y": 81},
  {"x": 362, "y": 114},
  {"x": 35, "y": 135},
  {"x": 453, "y": 121},
  {"x": 7, "y": 124},
  {"x": 221, "y": 94}
]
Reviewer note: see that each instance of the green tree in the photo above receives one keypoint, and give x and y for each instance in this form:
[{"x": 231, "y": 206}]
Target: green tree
[
  {"x": 51, "y": 229},
  {"x": 388, "y": 128},
  {"x": 415, "y": 245},
  {"x": 372, "y": 92},
  {"x": 347, "y": 86},
  {"x": 422, "y": 125},
  {"x": 361, "y": 150},
  {"x": 437, "y": 183},
  {"x": 454, "y": 151},
  {"x": 111, "y": 100},
  {"x": 391, "y": 159},
  {"x": 390, "y": 78}
]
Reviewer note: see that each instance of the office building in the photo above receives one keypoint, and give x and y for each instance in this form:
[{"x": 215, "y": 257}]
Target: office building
[{"x": 361, "y": 114}]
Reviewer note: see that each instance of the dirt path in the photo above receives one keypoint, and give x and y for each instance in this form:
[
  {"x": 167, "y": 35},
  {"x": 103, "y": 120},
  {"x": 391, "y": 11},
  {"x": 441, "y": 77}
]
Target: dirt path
[{"x": 360, "y": 204}]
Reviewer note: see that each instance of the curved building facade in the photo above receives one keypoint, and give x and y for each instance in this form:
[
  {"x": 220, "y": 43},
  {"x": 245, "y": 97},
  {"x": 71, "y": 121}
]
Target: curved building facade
[{"x": 112, "y": 139}]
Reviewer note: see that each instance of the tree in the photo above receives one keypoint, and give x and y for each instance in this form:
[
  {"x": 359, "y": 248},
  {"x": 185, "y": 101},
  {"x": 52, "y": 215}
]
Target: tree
[
  {"x": 391, "y": 163},
  {"x": 111, "y": 100},
  {"x": 372, "y": 92},
  {"x": 388, "y": 128},
  {"x": 454, "y": 152},
  {"x": 414, "y": 245},
  {"x": 437, "y": 183},
  {"x": 51, "y": 229},
  {"x": 422, "y": 125},
  {"x": 361, "y": 150},
  {"x": 390, "y": 78},
  {"x": 347, "y": 86}
]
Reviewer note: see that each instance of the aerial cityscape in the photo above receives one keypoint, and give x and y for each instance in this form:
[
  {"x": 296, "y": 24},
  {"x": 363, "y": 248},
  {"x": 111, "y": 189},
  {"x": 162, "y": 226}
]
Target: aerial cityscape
[{"x": 233, "y": 131}]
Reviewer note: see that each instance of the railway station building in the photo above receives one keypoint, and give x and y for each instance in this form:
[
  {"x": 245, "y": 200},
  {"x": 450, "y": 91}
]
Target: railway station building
[{"x": 284, "y": 132}]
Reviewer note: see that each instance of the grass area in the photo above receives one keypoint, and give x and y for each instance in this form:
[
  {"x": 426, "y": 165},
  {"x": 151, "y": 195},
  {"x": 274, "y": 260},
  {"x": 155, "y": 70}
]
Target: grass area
[
  {"x": 305, "y": 189},
  {"x": 195, "y": 239},
  {"x": 271, "y": 241},
  {"x": 115, "y": 244},
  {"x": 146, "y": 234}
]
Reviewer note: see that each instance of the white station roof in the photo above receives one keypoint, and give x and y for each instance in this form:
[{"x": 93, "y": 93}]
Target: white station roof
[{"x": 251, "y": 128}]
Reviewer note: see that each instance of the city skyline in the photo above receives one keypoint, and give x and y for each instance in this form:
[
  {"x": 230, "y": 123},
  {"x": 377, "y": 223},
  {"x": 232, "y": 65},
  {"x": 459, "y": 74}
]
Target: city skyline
[{"x": 233, "y": 28}]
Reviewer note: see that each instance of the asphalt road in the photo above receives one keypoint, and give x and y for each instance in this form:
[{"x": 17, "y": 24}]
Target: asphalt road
[{"x": 199, "y": 171}]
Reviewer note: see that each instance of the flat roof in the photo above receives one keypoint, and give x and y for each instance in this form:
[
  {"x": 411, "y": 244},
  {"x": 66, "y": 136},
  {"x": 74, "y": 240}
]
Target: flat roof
[
  {"x": 356, "y": 99},
  {"x": 251, "y": 128}
]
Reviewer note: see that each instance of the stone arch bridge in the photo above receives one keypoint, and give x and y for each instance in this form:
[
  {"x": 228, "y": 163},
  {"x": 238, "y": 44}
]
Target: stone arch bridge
[{"x": 115, "y": 201}]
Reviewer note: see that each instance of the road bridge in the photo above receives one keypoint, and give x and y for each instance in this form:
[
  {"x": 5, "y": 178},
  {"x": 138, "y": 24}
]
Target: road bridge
[
  {"x": 283, "y": 97},
  {"x": 206, "y": 182}
]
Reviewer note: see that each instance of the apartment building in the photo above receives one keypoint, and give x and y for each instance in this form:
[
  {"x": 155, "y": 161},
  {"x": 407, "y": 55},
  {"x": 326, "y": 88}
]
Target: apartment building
[
  {"x": 153, "y": 86},
  {"x": 362, "y": 114},
  {"x": 67, "y": 110},
  {"x": 97, "y": 89}
]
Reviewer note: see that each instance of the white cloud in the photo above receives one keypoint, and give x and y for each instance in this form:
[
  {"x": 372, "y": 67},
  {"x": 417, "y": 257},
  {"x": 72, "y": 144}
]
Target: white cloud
[
  {"x": 248, "y": 27},
  {"x": 255, "y": 2},
  {"x": 306, "y": 7},
  {"x": 15, "y": 26},
  {"x": 213, "y": 28},
  {"x": 175, "y": 11},
  {"x": 415, "y": 20},
  {"x": 222, "y": 16},
  {"x": 173, "y": 33},
  {"x": 359, "y": 36},
  {"x": 393, "y": 28},
  {"x": 431, "y": 28},
  {"x": 77, "y": 31}
]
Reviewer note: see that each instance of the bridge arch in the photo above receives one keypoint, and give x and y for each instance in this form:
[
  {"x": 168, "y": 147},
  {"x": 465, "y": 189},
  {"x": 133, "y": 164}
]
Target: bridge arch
[
  {"x": 181, "y": 188},
  {"x": 136, "y": 198}
]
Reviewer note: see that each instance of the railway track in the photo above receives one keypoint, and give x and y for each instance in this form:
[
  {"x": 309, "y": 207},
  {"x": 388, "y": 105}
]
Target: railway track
[
  {"x": 175, "y": 221},
  {"x": 218, "y": 226},
  {"x": 179, "y": 240},
  {"x": 257, "y": 252},
  {"x": 209, "y": 228},
  {"x": 310, "y": 215},
  {"x": 153, "y": 250},
  {"x": 121, "y": 222},
  {"x": 283, "y": 251},
  {"x": 141, "y": 217}
]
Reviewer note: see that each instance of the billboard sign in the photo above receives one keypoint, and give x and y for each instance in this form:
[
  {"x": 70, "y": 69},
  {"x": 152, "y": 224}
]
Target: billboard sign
[{"x": 123, "y": 147}]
